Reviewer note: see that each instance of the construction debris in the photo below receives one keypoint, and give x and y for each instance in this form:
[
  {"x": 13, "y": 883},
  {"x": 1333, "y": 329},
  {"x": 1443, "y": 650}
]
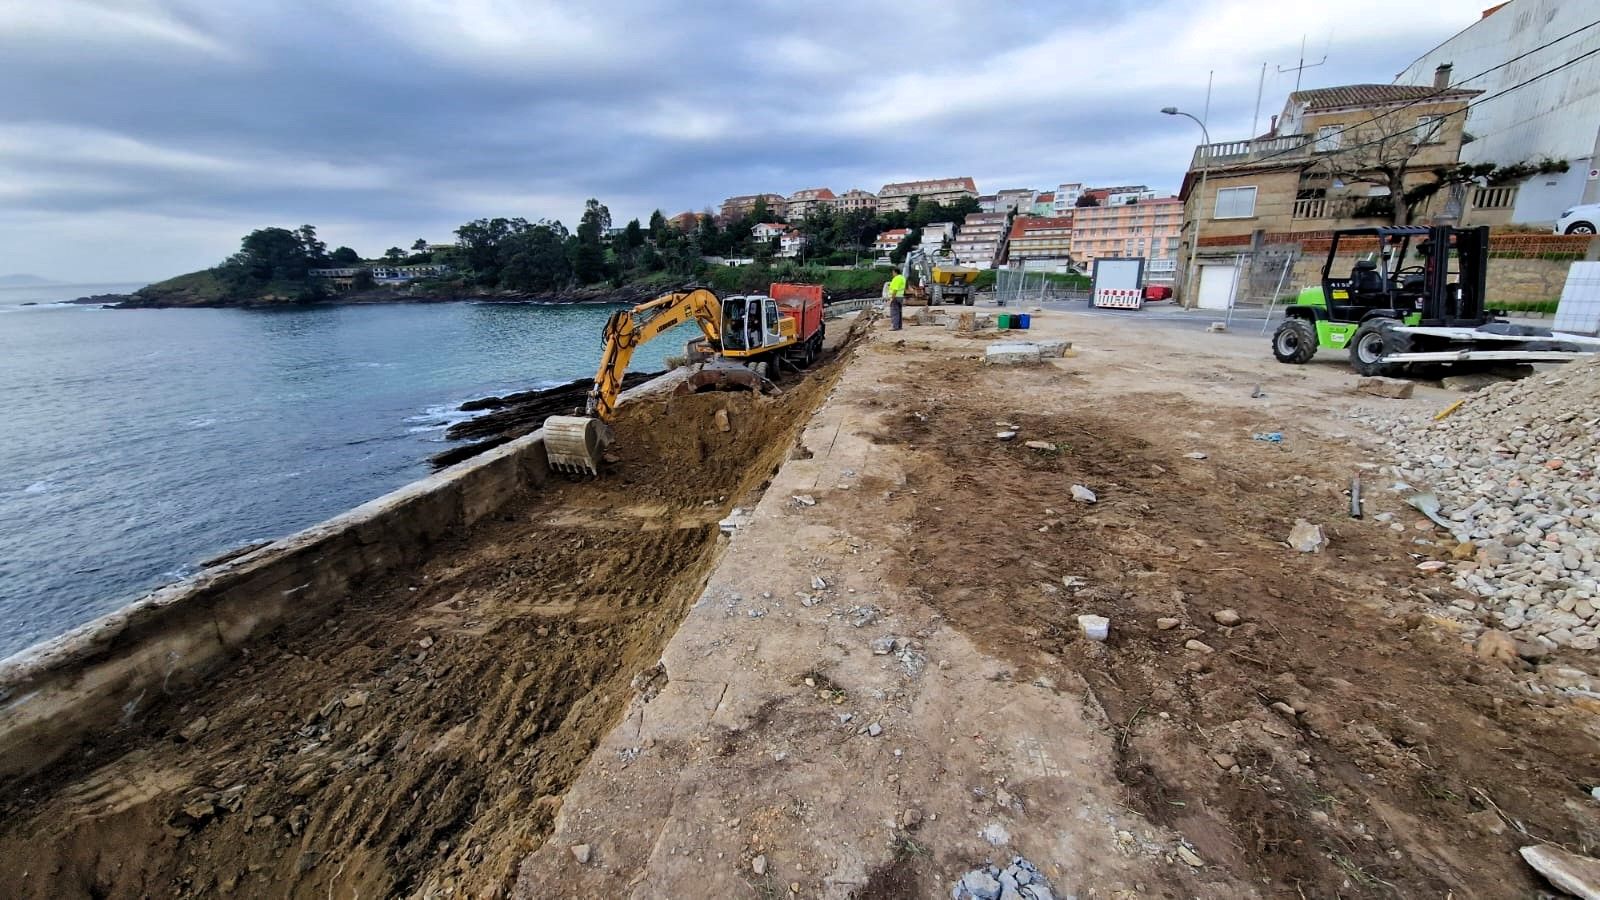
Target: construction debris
[
  {"x": 1577, "y": 875},
  {"x": 1514, "y": 472},
  {"x": 1018, "y": 881},
  {"x": 1011, "y": 353},
  {"x": 1306, "y": 537},
  {"x": 1393, "y": 388}
]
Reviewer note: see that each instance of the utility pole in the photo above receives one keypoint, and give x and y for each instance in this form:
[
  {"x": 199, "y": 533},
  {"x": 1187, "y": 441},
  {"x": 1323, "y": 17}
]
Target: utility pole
[
  {"x": 1261, "y": 84},
  {"x": 1299, "y": 69}
]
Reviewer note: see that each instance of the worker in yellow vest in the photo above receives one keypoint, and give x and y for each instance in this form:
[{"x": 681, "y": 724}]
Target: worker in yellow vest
[{"x": 897, "y": 297}]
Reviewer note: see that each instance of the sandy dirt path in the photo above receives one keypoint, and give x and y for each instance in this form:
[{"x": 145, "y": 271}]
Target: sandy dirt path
[{"x": 884, "y": 684}]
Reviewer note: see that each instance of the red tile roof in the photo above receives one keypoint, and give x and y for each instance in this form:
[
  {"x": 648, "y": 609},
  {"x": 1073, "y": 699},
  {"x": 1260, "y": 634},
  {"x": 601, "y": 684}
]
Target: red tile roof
[{"x": 1376, "y": 94}]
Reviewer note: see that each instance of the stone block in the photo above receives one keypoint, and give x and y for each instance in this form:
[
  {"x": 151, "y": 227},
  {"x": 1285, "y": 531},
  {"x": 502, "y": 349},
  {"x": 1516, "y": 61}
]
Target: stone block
[
  {"x": 1054, "y": 349},
  {"x": 1011, "y": 353},
  {"x": 1393, "y": 388}
]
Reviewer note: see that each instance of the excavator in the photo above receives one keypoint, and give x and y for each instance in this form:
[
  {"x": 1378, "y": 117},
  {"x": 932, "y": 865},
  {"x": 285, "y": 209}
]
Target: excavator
[{"x": 744, "y": 339}]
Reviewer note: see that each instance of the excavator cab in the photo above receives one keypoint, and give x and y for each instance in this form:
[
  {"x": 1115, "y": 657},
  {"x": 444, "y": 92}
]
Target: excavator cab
[{"x": 751, "y": 325}]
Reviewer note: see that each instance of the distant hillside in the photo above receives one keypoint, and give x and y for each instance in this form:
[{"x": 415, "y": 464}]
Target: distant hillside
[{"x": 24, "y": 280}]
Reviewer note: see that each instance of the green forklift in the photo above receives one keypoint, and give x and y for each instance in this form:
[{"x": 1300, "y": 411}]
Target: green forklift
[{"x": 1413, "y": 302}]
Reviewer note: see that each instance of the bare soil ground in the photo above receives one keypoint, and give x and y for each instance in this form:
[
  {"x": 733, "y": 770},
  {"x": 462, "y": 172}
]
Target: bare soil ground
[
  {"x": 420, "y": 743},
  {"x": 1338, "y": 741}
]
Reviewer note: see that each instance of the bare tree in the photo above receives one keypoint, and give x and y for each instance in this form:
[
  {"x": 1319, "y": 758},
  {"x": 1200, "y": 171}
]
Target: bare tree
[{"x": 1388, "y": 152}]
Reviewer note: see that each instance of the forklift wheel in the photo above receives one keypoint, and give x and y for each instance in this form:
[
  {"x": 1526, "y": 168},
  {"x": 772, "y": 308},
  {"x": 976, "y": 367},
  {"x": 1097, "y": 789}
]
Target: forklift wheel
[
  {"x": 1295, "y": 342},
  {"x": 1369, "y": 345}
]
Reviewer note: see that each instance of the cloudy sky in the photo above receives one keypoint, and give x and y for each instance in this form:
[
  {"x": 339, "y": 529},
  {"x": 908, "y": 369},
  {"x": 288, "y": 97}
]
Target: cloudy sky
[{"x": 140, "y": 138}]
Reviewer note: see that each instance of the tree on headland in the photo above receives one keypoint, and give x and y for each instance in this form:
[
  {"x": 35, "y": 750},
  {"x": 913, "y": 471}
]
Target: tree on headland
[
  {"x": 394, "y": 255},
  {"x": 589, "y": 256},
  {"x": 632, "y": 235},
  {"x": 658, "y": 224},
  {"x": 536, "y": 258},
  {"x": 274, "y": 260},
  {"x": 344, "y": 256},
  {"x": 419, "y": 245},
  {"x": 315, "y": 250}
]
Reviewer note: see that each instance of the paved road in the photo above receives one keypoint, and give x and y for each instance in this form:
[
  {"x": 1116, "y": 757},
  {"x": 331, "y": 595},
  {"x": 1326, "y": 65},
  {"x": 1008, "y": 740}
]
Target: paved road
[{"x": 1165, "y": 314}]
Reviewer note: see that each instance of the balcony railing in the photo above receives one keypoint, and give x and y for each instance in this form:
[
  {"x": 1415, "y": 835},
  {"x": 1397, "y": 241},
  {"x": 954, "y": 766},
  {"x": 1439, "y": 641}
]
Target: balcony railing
[
  {"x": 1310, "y": 209},
  {"x": 1494, "y": 197},
  {"x": 1235, "y": 152}
]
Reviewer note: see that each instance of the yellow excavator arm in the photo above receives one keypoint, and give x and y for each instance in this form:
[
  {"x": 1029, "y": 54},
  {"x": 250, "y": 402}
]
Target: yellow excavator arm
[
  {"x": 575, "y": 443},
  {"x": 627, "y": 329}
]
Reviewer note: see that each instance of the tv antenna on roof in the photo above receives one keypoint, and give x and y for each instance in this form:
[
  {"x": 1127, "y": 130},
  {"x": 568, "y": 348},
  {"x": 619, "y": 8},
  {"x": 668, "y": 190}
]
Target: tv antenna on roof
[{"x": 1297, "y": 70}]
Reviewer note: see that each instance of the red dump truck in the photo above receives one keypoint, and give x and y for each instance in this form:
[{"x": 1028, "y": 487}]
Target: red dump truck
[{"x": 803, "y": 304}]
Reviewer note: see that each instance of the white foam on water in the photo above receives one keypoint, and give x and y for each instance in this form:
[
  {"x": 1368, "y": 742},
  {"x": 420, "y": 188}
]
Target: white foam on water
[{"x": 43, "y": 486}]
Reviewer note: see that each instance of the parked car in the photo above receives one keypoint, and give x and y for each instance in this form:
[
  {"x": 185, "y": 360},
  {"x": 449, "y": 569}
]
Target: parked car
[{"x": 1580, "y": 219}]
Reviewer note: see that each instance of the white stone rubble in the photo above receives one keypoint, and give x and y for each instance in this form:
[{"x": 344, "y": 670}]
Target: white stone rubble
[{"x": 1517, "y": 472}]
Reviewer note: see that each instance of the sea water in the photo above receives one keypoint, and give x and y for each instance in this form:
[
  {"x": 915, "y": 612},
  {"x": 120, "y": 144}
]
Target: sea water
[{"x": 136, "y": 443}]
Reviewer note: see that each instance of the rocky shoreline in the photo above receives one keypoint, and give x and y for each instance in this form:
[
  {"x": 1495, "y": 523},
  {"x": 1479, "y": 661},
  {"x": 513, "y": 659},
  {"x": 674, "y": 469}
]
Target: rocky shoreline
[{"x": 597, "y": 295}]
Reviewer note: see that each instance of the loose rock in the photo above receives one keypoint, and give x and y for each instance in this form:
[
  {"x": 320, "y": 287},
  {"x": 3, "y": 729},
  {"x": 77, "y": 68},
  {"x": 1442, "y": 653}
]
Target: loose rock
[
  {"x": 1198, "y": 646},
  {"x": 1227, "y": 617},
  {"x": 1083, "y": 494},
  {"x": 1306, "y": 537},
  {"x": 1166, "y": 624},
  {"x": 580, "y": 852},
  {"x": 1393, "y": 388}
]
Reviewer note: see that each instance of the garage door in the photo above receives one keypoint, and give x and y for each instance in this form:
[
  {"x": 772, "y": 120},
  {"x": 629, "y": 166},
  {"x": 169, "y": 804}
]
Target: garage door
[{"x": 1216, "y": 286}]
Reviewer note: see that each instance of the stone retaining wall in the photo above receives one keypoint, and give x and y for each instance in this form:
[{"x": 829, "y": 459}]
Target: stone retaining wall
[
  {"x": 110, "y": 672},
  {"x": 113, "y": 670}
]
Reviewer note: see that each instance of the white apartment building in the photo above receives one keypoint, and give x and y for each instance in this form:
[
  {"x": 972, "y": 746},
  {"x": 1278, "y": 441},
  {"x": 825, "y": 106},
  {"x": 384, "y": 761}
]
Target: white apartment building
[
  {"x": 978, "y": 242},
  {"x": 1067, "y": 195},
  {"x": 1555, "y": 117}
]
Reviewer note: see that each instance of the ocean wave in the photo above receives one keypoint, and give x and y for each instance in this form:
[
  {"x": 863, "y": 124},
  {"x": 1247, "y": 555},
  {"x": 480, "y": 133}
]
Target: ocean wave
[
  {"x": 43, "y": 486},
  {"x": 198, "y": 423}
]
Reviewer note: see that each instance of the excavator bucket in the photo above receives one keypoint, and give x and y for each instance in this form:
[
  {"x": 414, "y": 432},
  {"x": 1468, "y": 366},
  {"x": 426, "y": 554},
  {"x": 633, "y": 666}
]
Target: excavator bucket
[
  {"x": 721, "y": 375},
  {"x": 574, "y": 443}
]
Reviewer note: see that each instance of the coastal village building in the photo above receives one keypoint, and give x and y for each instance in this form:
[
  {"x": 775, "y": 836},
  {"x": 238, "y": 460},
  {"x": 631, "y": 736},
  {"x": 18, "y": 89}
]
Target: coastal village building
[
  {"x": 345, "y": 276},
  {"x": 791, "y": 243},
  {"x": 1324, "y": 165},
  {"x": 735, "y": 208},
  {"x": 1556, "y": 117},
  {"x": 1041, "y": 242},
  {"x": 1066, "y": 198},
  {"x": 1147, "y": 228},
  {"x": 801, "y": 203},
  {"x": 686, "y": 221},
  {"x": 1013, "y": 200},
  {"x": 1044, "y": 204},
  {"x": 888, "y": 240},
  {"x": 981, "y": 239},
  {"x": 935, "y": 234},
  {"x": 1119, "y": 195},
  {"x": 986, "y": 203},
  {"x": 897, "y": 197},
  {"x": 766, "y": 231},
  {"x": 855, "y": 199}
]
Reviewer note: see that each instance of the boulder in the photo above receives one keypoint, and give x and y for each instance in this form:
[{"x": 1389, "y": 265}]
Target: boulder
[
  {"x": 1393, "y": 388},
  {"x": 1011, "y": 353}
]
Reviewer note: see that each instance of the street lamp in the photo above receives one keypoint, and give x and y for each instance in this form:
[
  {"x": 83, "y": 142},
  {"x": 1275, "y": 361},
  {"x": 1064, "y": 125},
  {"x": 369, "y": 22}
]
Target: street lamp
[{"x": 1190, "y": 288}]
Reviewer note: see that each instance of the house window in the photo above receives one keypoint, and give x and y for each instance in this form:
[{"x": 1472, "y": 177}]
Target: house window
[
  {"x": 1328, "y": 138},
  {"x": 1428, "y": 128},
  {"x": 1235, "y": 203}
]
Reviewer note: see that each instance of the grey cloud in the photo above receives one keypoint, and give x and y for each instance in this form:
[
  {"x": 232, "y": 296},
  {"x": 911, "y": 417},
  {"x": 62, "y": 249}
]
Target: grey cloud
[{"x": 332, "y": 112}]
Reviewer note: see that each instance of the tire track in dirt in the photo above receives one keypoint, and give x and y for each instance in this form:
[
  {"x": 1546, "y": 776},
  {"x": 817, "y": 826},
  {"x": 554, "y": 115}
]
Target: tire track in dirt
[{"x": 1369, "y": 753}]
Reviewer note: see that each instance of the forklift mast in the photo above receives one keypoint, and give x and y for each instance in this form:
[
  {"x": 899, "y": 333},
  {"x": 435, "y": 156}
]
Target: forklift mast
[{"x": 1458, "y": 301}]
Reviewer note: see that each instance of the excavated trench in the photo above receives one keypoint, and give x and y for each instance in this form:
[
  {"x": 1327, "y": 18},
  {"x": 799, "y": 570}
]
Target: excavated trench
[{"x": 420, "y": 742}]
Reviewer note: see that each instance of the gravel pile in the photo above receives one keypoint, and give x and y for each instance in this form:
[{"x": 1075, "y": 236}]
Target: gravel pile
[
  {"x": 1517, "y": 472},
  {"x": 1018, "y": 881}
]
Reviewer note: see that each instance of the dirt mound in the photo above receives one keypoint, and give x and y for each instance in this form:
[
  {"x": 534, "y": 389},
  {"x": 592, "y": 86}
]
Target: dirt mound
[
  {"x": 419, "y": 743},
  {"x": 1315, "y": 743}
]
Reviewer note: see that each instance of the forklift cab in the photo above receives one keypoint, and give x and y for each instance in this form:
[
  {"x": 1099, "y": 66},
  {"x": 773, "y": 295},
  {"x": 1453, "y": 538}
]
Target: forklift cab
[
  {"x": 751, "y": 325},
  {"x": 1435, "y": 274}
]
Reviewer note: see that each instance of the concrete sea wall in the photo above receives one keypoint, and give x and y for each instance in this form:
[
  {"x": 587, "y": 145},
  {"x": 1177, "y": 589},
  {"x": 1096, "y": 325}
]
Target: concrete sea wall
[{"x": 108, "y": 672}]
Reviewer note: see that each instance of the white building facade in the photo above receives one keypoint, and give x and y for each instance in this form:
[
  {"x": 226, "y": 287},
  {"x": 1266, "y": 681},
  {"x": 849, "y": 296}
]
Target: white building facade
[{"x": 1556, "y": 117}]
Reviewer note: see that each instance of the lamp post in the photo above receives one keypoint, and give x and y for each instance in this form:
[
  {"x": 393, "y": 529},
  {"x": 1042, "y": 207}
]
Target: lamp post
[{"x": 1190, "y": 288}]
